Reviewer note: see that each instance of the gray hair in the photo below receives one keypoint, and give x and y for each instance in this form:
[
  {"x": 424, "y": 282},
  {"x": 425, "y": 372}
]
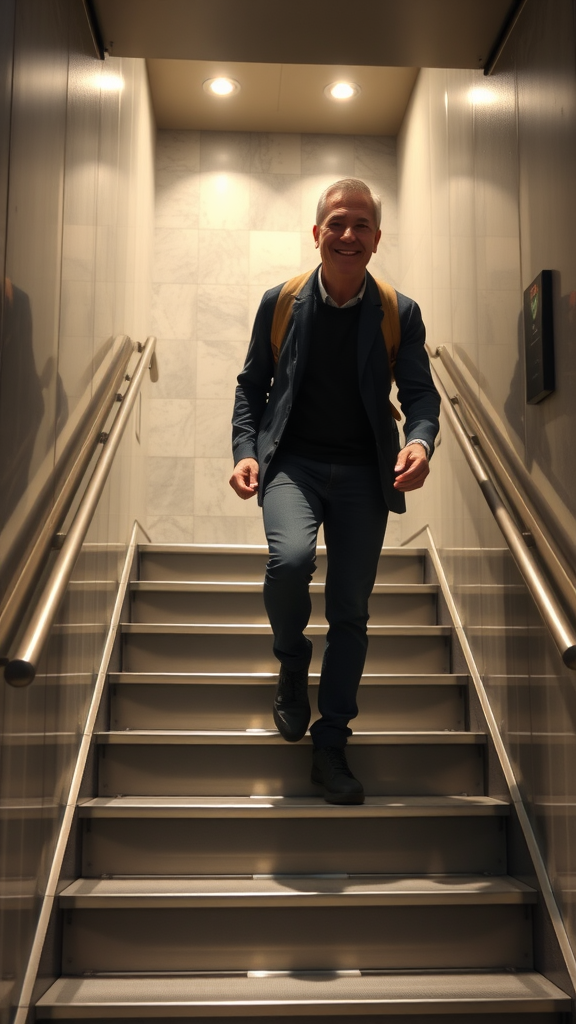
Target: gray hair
[{"x": 347, "y": 187}]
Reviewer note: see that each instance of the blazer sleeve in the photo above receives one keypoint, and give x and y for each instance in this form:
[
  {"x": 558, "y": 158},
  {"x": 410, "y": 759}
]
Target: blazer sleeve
[
  {"x": 419, "y": 399},
  {"x": 254, "y": 381}
]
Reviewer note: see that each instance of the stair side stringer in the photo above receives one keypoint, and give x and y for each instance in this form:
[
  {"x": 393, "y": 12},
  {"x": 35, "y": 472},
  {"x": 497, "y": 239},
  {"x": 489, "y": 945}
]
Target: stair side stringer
[{"x": 553, "y": 953}]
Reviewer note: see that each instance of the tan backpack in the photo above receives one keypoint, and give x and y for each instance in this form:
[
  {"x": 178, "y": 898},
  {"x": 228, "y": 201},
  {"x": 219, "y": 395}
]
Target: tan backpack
[{"x": 390, "y": 320}]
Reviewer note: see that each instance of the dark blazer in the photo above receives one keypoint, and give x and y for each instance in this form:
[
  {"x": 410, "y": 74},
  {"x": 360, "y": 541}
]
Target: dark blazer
[{"x": 265, "y": 393}]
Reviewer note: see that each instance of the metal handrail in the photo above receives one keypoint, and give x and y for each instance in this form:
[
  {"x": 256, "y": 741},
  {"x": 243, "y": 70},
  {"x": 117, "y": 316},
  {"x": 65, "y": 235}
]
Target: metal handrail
[
  {"x": 39, "y": 528},
  {"x": 21, "y": 669},
  {"x": 558, "y": 537},
  {"x": 554, "y": 616}
]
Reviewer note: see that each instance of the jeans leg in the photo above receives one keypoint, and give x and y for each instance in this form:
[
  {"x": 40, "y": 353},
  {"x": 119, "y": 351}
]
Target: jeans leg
[
  {"x": 292, "y": 515},
  {"x": 354, "y": 525}
]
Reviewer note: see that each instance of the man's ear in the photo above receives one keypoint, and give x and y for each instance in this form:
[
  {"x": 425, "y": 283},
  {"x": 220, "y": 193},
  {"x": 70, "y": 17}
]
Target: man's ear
[
  {"x": 377, "y": 239},
  {"x": 316, "y": 232}
]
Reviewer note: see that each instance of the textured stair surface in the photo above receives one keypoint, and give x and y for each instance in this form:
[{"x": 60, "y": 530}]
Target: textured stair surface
[
  {"x": 315, "y": 994},
  {"x": 217, "y": 883}
]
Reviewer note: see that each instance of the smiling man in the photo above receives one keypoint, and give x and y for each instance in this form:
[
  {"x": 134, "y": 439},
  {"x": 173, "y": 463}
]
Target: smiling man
[{"x": 315, "y": 437}]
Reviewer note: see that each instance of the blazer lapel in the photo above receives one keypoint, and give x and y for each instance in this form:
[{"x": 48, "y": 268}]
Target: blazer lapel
[
  {"x": 370, "y": 319},
  {"x": 302, "y": 314}
]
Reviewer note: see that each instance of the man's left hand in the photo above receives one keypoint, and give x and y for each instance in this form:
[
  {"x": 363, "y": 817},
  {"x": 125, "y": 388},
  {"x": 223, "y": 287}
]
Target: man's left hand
[{"x": 411, "y": 468}]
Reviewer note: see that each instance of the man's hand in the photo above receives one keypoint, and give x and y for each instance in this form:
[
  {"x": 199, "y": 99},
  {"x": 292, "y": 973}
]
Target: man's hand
[
  {"x": 411, "y": 468},
  {"x": 244, "y": 479}
]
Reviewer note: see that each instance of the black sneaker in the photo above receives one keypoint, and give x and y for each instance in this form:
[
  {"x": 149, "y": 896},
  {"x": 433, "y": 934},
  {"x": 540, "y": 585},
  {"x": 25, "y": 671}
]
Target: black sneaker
[
  {"x": 291, "y": 708},
  {"x": 330, "y": 770}
]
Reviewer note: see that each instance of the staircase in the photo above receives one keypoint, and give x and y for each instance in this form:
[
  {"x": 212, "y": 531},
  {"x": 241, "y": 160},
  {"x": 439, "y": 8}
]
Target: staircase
[{"x": 217, "y": 883}]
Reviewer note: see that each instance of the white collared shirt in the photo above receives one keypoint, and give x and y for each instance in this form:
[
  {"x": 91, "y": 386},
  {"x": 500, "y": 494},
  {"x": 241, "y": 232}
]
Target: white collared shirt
[{"x": 330, "y": 301}]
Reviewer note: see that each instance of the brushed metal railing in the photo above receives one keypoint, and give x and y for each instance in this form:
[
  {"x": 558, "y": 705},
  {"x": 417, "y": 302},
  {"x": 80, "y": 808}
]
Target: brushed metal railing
[
  {"x": 20, "y": 669},
  {"x": 477, "y": 447},
  {"x": 30, "y": 548}
]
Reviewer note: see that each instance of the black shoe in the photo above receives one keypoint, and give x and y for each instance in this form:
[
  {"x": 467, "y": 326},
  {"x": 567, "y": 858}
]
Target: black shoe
[
  {"x": 330, "y": 770},
  {"x": 291, "y": 708}
]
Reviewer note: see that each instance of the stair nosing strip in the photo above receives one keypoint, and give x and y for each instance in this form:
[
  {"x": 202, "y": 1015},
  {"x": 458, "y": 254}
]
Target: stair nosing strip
[
  {"x": 233, "y": 628},
  {"x": 267, "y": 678},
  {"x": 272, "y": 738},
  {"x": 290, "y": 807}
]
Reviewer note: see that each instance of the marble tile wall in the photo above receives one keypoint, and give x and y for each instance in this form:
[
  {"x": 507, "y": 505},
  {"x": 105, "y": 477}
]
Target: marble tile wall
[
  {"x": 234, "y": 216},
  {"x": 486, "y": 167}
]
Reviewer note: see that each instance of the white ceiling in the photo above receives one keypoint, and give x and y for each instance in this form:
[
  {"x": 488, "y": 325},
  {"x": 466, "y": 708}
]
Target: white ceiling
[
  {"x": 279, "y": 97},
  {"x": 284, "y": 55}
]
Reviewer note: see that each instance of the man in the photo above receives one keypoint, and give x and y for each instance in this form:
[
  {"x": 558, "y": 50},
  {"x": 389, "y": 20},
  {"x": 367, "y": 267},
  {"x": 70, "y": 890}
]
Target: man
[{"x": 315, "y": 437}]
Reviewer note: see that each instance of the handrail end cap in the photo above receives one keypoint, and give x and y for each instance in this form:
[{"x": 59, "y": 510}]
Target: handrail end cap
[
  {"x": 19, "y": 673},
  {"x": 569, "y": 657}
]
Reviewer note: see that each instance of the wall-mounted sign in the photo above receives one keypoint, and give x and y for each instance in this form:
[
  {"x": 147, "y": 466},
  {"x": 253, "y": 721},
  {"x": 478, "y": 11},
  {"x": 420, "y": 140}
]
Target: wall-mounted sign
[{"x": 539, "y": 338}]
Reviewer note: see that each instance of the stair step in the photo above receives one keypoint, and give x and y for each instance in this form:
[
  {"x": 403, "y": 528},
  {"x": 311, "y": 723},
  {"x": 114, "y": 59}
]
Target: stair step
[
  {"x": 150, "y": 763},
  {"x": 219, "y": 701},
  {"x": 162, "y": 647},
  {"x": 221, "y": 587},
  {"x": 225, "y": 601},
  {"x": 283, "y": 835},
  {"x": 393, "y": 936},
  {"x": 309, "y": 994},
  {"x": 270, "y": 737},
  {"x": 264, "y": 629},
  {"x": 291, "y": 807},
  {"x": 295, "y": 891},
  {"x": 265, "y": 678},
  {"x": 248, "y": 563}
]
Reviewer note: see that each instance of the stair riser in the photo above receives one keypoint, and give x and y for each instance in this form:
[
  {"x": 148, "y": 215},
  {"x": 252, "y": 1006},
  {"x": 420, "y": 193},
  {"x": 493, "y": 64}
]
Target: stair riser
[
  {"x": 144, "y": 846},
  {"x": 224, "y": 652},
  {"x": 388, "y": 609},
  {"x": 284, "y": 770},
  {"x": 162, "y": 706},
  {"x": 243, "y": 568},
  {"x": 297, "y": 938}
]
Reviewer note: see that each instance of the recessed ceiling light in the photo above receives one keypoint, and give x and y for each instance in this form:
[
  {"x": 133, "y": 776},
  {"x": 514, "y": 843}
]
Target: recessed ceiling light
[
  {"x": 342, "y": 90},
  {"x": 221, "y": 86}
]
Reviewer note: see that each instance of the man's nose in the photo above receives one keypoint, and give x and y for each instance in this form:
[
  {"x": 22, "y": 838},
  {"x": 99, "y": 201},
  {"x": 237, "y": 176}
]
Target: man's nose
[{"x": 348, "y": 234}]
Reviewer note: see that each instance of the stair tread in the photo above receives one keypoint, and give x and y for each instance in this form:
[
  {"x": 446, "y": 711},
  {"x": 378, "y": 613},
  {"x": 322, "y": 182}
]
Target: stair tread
[
  {"x": 270, "y": 737},
  {"x": 264, "y": 629},
  {"x": 291, "y": 807},
  {"x": 295, "y": 890},
  {"x": 240, "y": 586},
  {"x": 266, "y": 678},
  {"x": 186, "y": 996},
  {"x": 255, "y": 549}
]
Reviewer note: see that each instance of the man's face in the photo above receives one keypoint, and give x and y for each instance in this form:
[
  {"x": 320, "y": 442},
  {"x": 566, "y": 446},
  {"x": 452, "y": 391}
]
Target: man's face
[{"x": 347, "y": 236}]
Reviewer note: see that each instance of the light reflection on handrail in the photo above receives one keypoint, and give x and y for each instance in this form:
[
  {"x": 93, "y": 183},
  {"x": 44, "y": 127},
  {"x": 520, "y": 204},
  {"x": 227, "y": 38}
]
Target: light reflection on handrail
[{"x": 21, "y": 669}]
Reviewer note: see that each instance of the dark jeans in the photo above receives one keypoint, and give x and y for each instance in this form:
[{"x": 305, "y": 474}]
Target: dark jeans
[{"x": 300, "y": 494}]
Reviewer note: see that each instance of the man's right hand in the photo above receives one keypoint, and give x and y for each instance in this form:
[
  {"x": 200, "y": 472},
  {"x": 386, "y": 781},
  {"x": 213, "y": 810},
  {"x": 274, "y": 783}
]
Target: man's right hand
[{"x": 244, "y": 479}]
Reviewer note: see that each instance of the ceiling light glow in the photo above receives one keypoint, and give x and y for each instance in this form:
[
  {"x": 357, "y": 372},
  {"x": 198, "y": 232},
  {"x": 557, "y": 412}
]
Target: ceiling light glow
[
  {"x": 481, "y": 96},
  {"x": 221, "y": 86},
  {"x": 342, "y": 90},
  {"x": 109, "y": 82}
]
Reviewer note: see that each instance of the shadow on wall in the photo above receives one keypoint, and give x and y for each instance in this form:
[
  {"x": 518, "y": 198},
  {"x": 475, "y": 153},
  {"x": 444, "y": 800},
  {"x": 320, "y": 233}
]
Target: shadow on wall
[{"x": 22, "y": 403}]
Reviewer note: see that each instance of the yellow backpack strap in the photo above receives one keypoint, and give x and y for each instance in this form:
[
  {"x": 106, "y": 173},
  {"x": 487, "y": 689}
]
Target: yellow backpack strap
[
  {"x": 283, "y": 311},
  {"x": 390, "y": 329}
]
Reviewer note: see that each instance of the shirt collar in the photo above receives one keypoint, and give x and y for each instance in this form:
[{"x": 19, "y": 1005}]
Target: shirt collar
[{"x": 330, "y": 301}]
